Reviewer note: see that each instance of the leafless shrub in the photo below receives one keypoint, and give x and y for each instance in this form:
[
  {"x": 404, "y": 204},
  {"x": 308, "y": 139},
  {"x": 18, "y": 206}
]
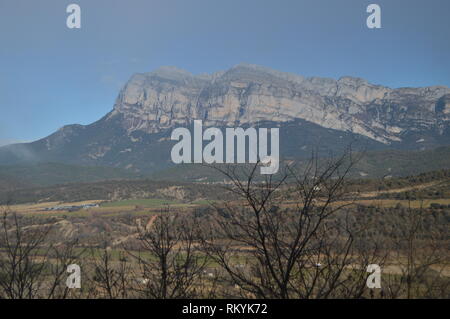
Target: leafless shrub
[
  {"x": 30, "y": 267},
  {"x": 300, "y": 251},
  {"x": 418, "y": 256},
  {"x": 111, "y": 276},
  {"x": 169, "y": 261}
]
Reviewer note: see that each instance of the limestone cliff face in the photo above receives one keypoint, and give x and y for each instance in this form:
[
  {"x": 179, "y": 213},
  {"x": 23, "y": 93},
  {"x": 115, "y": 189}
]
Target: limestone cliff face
[
  {"x": 246, "y": 94},
  {"x": 311, "y": 113}
]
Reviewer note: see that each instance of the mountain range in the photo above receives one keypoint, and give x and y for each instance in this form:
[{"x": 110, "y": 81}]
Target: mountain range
[{"x": 311, "y": 112}]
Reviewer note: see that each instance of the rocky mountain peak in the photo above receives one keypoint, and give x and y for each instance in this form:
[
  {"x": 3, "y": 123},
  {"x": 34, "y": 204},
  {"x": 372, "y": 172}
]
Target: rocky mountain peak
[
  {"x": 310, "y": 112},
  {"x": 353, "y": 81},
  {"x": 171, "y": 73},
  {"x": 247, "y": 93}
]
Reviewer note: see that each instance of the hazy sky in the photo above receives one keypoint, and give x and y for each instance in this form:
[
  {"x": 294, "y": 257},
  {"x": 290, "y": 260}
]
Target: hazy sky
[{"x": 51, "y": 76}]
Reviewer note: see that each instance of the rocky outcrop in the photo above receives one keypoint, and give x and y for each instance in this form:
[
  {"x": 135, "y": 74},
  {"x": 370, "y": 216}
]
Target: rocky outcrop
[
  {"x": 167, "y": 97},
  {"x": 311, "y": 113}
]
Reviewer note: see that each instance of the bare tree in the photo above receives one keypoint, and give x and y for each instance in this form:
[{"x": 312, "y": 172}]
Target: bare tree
[
  {"x": 112, "y": 277},
  {"x": 281, "y": 238},
  {"x": 19, "y": 269},
  {"x": 417, "y": 256},
  {"x": 60, "y": 257},
  {"x": 30, "y": 265},
  {"x": 169, "y": 261}
]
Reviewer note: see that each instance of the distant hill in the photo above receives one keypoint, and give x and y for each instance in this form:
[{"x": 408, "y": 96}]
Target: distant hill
[
  {"x": 373, "y": 164},
  {"x": 437, "y": 184},
  {"x": 114, "y": 190},
  {"x": 46, "y": 174},
  {"x": 397, "y": 163}
]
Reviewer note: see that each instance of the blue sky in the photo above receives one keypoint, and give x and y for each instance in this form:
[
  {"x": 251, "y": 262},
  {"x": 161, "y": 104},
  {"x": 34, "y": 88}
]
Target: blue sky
[{"x": 51, "y": 76}]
